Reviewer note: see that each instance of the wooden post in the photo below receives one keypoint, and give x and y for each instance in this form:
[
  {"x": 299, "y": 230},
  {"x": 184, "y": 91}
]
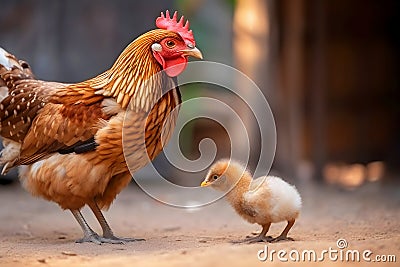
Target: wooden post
[
  {"x": 290, "y": 119},
  {"x": 251, "y": 52},
  {"x": 318, "y": 87}
]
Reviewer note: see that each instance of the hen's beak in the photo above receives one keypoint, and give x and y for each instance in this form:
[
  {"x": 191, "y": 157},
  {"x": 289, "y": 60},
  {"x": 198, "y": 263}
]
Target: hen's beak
[
  {"x": 194, "y": 52},
  {"x": 205, "y": 183}
]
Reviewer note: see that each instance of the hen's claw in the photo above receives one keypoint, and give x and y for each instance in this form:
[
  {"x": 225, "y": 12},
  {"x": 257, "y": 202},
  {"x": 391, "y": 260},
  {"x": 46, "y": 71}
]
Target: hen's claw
[
  {"x": 91, "y": 238},
  {"x": 123, "y": 240},
  {"x": 98, "y": 240}
]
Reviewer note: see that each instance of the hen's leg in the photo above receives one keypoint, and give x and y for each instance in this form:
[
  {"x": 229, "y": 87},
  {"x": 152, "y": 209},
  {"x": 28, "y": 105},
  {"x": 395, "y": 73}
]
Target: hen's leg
[
  {"x": 283, "y": 235},
  {"x": 88, "y": 234},
  {"x": 107, "y": 232}
]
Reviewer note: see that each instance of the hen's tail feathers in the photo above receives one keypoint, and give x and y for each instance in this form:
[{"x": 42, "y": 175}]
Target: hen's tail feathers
[
  {"x": 9, "y": 155},
  {"x": 11, "y": 71},
  {"x": 8, "y": 61}
]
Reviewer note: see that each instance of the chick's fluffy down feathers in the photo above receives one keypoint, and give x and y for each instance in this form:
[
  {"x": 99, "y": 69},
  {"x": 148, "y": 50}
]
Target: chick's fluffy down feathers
[
  {"x": 267, "y": 199},
  {"x": 272, "y": 199}
]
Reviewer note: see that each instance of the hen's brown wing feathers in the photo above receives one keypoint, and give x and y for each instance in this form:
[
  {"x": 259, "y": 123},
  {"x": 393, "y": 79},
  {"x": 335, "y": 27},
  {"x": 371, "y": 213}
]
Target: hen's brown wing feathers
[
  {"x": 19, "y": 109},
  {"x": 59, "y": 126},
  {"x": 46, "y": 116}
]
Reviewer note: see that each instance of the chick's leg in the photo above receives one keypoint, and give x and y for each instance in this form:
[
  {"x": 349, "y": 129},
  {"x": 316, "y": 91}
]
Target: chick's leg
[
  {"x": 261, "y": 237},
  {"x": 283, "y": 235},
  {"x": 108, "y": 235}
]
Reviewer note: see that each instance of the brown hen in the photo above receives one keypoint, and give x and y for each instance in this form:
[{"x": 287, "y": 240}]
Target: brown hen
[{"x": 67, "y": 138}]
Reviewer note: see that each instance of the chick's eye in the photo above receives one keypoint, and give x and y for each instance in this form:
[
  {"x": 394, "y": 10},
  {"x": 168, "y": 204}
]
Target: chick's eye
[
  {"x": 170, "y": 44},
  {"x": 215, "y": 177}
]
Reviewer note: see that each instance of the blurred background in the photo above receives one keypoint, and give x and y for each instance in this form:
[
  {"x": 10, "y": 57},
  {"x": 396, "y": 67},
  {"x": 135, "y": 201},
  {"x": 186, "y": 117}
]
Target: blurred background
[{"x": 329, "y": 70}]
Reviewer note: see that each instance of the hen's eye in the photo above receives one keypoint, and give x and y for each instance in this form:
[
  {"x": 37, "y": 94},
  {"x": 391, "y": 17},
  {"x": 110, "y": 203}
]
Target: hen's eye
[
  {"x": 170, "y": 44},
  {"x": 215, "y": 177}
]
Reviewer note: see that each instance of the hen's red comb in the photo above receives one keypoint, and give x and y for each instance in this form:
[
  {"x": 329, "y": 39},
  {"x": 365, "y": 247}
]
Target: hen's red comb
[{"x": 172, "y": 24}]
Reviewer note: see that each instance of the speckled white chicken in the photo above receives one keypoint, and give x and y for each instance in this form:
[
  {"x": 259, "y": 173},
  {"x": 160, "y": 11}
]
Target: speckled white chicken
[{"x": 264, "y": 200}]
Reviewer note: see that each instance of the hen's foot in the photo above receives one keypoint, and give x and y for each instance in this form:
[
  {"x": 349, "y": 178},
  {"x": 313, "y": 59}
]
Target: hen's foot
[
  {"x": 122, "y": 240},
  {"x": 98, "y": 240},
  {"x": 92, "y": 238},
  {"x": 282, "y": 238}
]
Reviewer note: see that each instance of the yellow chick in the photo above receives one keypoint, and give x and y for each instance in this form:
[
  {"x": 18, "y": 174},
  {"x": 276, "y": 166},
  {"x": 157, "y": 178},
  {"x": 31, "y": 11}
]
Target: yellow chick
[{"x": 265, "y": 200}]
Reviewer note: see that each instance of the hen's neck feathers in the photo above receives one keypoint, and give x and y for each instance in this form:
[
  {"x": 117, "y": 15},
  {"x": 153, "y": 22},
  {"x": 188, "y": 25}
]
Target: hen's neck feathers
[{"x": 135, "y": 75}]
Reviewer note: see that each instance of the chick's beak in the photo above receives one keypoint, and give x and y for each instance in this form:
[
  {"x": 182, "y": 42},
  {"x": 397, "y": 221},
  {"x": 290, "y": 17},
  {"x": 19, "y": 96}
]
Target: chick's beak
[
  {"x": 194, "y": 52},
  {"x": 205, "y": 183}
]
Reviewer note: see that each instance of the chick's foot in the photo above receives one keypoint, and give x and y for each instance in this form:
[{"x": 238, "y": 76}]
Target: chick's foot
[
  {"x": 259, "y": 239},
  {"x": 256, "y": 239},
  {"x": 282, "y": 238}
]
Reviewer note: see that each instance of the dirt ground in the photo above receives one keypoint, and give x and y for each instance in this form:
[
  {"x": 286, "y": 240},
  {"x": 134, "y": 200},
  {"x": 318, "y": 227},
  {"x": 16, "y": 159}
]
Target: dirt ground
[{"x": 34, "y": 232}]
